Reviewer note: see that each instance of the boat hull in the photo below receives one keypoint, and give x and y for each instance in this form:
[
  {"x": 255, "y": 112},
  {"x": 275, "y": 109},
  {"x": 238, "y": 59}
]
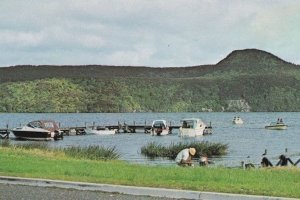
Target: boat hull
[
  {"x": 276, "y": 127},
  {"x": 237, "y": 122},
  {"x": 186, "y": 132},
  {"x": 159, "y": 132},
  {"x": 32, "y": 135},
  {"x": 100, "y": 132}
]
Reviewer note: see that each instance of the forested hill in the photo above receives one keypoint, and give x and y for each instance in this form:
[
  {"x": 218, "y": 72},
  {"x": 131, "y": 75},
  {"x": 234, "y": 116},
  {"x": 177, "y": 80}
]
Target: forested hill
[
  {"x": 29, "y": 72},
  {"x": 246, "y": 80}
]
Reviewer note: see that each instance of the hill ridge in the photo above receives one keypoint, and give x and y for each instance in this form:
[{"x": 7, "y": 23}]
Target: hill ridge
[
  {"x": 254, "y": 55},
  {"x": 251, "y": 60}
]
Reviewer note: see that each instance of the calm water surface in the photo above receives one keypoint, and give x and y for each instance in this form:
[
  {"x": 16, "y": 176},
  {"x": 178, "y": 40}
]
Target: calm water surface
[{"x": 246, "y": 142}]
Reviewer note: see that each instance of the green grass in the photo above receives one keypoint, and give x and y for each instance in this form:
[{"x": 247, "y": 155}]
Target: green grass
[
  {"x": 41, "y": 163},
  {"x": 92, "y": 152}
]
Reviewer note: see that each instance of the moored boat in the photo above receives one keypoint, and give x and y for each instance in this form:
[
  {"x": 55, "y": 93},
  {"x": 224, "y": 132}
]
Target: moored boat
[
  {"x": 99, "y": 131},
  {"x": 159, "y": 127},
  {"x": 39, "y": 130},
  {"x": 192, "y": 127},
  {"x": 208, "y": 130}
]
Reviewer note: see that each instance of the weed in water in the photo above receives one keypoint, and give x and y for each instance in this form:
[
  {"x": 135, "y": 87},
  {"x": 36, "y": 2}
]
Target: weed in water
[{"x": 153, "y": 150}]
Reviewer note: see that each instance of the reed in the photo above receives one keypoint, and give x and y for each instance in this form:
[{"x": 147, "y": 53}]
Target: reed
[
  {"x": 92, "y": 152},
  {"x": 27, "y": 145},
  {"x": 33, "y": 145},
  {"x": 153, "y": 149},
  {"x": 4, "y": 143}
]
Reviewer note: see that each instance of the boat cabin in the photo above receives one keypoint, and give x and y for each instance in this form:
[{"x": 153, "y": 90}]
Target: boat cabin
[
  {"x": 192, "y": 123},
  {"x": 159, "y": 124},
  {"x": 44, "y": 124}
]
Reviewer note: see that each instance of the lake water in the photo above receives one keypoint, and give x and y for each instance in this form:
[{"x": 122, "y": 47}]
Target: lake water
[{"x": 246, "y": 142}]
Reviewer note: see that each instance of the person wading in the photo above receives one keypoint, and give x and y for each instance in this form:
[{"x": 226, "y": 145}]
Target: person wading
[{"x": 184, "y": 157}]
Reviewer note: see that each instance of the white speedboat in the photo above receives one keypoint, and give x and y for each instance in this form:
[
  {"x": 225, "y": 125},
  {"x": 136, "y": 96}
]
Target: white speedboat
[
  {"x": 38, "y": 130},
  {"x": 237, "y": 120},
  {"x": 276, "y": 126},
  {"x": 159, "y": 127},
  {"x": 191, "y": 127},
  {"x": 99, "y": 131}
]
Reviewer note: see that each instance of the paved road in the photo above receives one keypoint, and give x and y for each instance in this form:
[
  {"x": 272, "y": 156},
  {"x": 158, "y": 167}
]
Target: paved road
[
  {"x": 13, "y": 192},
  {"x": 26, "y": 188}
]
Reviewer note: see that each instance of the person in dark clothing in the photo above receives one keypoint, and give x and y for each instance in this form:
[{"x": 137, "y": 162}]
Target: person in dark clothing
[
  {"x": 265, "y": 162},
  {"x": 283, "y": 161}
]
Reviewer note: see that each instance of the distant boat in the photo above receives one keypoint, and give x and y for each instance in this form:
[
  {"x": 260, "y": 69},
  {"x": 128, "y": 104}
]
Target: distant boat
[
  {"x": 39, "y": 130},
  {"x": 237, "y": 120},
  {"x": 192, "y": 127},
  {"x": 208, "y": 129},
  {"x": 99, "y": 131},
  {"x": 279, "y": 125},
  {"x": 159, "y": 127}
]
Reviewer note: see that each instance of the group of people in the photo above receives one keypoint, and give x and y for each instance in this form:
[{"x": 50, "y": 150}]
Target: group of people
[
  {"x": 279, "y": 121},
  {"x": 283, "y": 161}
]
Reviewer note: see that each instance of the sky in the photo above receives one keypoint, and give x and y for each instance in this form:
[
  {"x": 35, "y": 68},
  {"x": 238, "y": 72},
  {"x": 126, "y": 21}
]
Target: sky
[{"x": 154, "y": 33}]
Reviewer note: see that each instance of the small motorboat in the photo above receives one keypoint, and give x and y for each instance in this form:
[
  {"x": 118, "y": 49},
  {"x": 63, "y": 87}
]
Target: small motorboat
[
  {"x": 279, "y": 125},
  {"x": 99, "y": 131},
  {"x": 237, "y": 120},
  {"x": 39, "y": 130},
  {"x": 276, "y": 126},
  {"x": 159, "y": 127},
  {"x": 192, "y": 127}
]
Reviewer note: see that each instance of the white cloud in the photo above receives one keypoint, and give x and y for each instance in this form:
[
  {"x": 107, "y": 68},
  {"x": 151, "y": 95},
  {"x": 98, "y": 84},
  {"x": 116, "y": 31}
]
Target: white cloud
[
  {"x": 19, "y": 39},
  {"x": 135, "y": 57},
  {"x": 140, "y": 32}
]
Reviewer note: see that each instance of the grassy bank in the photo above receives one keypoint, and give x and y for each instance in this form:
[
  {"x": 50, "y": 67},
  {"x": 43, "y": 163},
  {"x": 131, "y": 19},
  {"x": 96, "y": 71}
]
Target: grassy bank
[{"x": 45, "y": 163}]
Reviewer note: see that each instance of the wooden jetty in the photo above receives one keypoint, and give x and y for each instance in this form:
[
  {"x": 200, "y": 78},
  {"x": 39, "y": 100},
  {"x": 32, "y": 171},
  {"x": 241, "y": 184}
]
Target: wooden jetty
[
  {"x": 80, "y": 130},
  {"x": 125, "y": 128}
]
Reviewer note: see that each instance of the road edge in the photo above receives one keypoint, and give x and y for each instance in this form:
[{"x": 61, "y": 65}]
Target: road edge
[{"x": 132, "y": 190}]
